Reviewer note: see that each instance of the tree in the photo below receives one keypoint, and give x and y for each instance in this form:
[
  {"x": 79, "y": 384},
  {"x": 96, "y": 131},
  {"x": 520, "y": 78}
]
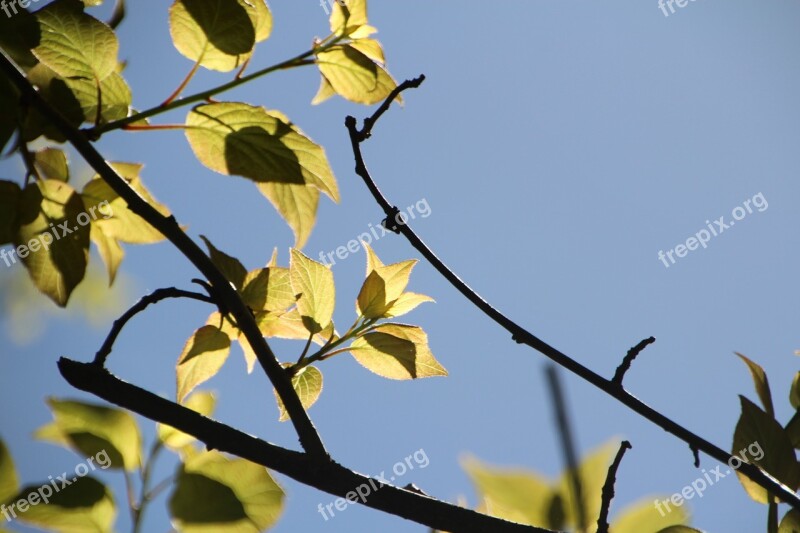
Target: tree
[{"x": 71, "y": 57}]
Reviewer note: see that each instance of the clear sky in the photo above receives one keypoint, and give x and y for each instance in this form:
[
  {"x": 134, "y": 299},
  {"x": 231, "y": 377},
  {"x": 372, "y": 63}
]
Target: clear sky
[{"x": 559, "y": 146}]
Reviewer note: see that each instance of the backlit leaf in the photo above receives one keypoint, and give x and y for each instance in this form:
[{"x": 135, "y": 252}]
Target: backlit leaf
[
  {"x": 396, "y": 351},
  {"x": 268, "y": 289},
  {"x": 231, "y": 267},
  {"x": 355, "y": 76},
  {"x": 794, "y": 393},
  {"x": 761, "y": 382},
  {"x": 313, "y": 285},
  {"x": 348, "y": 14},
  {"x": 202, "y": 357},
  {"x": 383, "y": 286},
  {"x": 9, "y": 482},
  {"x": 307, "y": 382},
  {"x": 86, "y": 505},
  {"x": 52, "y": 164},
  {"x": 790, "y": 522},
  {"x": 407, "y": 301},
  {"x": 324, "y": 92},
  {"x": 644, "y": 516}
]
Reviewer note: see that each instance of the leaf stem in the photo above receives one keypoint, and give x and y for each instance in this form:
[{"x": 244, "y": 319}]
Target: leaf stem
[{"x": 183, "y": 84}]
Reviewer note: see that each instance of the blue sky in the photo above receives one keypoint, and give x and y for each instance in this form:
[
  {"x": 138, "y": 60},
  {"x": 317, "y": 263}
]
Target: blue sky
[{"x": 559, "y": 146}]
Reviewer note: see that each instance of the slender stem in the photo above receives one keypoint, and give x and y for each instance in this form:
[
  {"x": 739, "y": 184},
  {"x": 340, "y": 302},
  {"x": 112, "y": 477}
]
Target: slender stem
[
  {"x": 523, "y": 336},
  {"x": 183, "y": 84},
  {"x": 608, "y": 488},
  {"x": 223, "y": 291},
  {"x": 152, "y": 298},
  {"x": 149, "y": 127},
  {"x": 131, "y": 498},
  {"x": 146, "y": 474},
  {"x": 297, "y": 61},
  {"x": 305, "y": 349}
]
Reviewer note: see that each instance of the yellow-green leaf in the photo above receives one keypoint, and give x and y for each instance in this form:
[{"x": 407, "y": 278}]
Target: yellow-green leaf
[
  {"x": 94, "y": 430},
  {"x": 85, "y": 506},
  {"x": 53, "y": 238},
  {"x": 202, "y": 357},
  {"x": 643, "y": 516},
  {"x": 512, "y": 493},
  {"x": 593, "y": 471},
  {"x": 231, "y": 267},
  {"x": 263, "y": 146},
  {"x": 324, "y": 92},
  {"x": 268, "y": 289},
  {"x": 9, "y": 482},
  {"x": 757, "y": 428},
  {"x": 261, "y": 18},
  {"x": 790, "y": 522},
  {"x": 370, "y": 48},
  {"x": 313, "y": 285},
  {"x": 74, "y": 44},
  {"x": 761, "y": 383},
  {"x": 218, "y": 34},
  {"x": 110, "y": 251},
  {"x": 350, "y": 15},
  {"x": 202, "y": 402},
  {"x": 396, "y": 351},
  {"x": 794, "y": 393},
  {"x": 52, "y": 164},
  {"x": 677, "y": 529},
  {"x": 307, "y": 382},
  {"x": 383, "y": 286},
  {"x": 355, "y": 76},
  {"x": 407, "y": 301},
  {"x": 237, "y": 496},
  {"x": 111, "y": 212},
  {"x": 9, "y": 199}
]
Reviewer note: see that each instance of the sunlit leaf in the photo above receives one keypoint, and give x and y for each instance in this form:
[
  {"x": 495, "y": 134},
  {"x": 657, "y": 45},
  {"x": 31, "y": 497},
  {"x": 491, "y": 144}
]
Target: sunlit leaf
[
  {"x": 202, "y": 357},
  {"x": 289, "y": 168},
  {"x": 593, "y": 471},
  {"x": 396, "y": 351},
  {"x": 644, "y": 516},
  {"x": 307, "y": 382},
  {"x": 91, "y": 429},
  {"x": 84, "y": 506},
  {"x": 9, "y": 198},
  {"x": 355, "y": 76},
  {"x": 794, "y": 393},
  {"x": 383, "y": 286},
  {"x": 370, "y": 48},
  {"x": 74, "y": 44},
  {"x": 790, "y": 522},
  {"x": 755, "y": 427},
  {"x": 324, "y": 92},
  {"x": 9, "y": 482},
  {"x": 202, "y": 402},
  {"x": 260, "y": 16},
  {"x": 312, "y": 283},
  {"x": 53, "y": 238},
  {"x": 761, "y": 382},
  {"x": 237, "y": 496},
  {"x": 408, "y": 301},
  {"x": 52, "y": 164},
  {"x": 110, "y": 251},
  {"x": 348, "y": 14},
  {"x": 219, "y": 34},
  {"x": 513, "y": 494},
  {"x": 231, "y": 268},
  {"x": 268, "y": 289}
]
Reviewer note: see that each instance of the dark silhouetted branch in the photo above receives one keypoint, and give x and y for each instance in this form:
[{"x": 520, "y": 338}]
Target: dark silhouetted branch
[
  {"x": 625, "y": 365},
  {"x": 608, "y": 488}
]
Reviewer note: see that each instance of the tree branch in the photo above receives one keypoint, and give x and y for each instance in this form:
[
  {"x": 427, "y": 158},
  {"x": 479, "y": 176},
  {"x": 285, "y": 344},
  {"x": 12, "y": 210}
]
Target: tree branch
[
  {"x": 625, "y": 365},
  {"x": 329, "y": 477},
  {"x": 523, "y": 336},
  {"x": 608, "y": 488},
  {"x": 223, "y": 291}
]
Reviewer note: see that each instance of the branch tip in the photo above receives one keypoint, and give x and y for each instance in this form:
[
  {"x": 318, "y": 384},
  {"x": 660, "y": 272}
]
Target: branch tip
[{"x": 625, "y": 365}]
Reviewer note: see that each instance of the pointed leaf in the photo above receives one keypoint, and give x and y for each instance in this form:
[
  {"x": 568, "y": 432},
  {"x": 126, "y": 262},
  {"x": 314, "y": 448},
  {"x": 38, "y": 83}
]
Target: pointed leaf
[
  {"x": 53, "y": 241},
  {"x": 9, "y": 482},
  {"x": 354, "y": 76},
  {"x": 350, "y": 15},
  {"x": 757, "y": 428},
  {"x": 383, "y": 286},
  {"x": 307, "y": 382},
  {"x": 202, "y": 357},
  {"x": 408, "y": 301},
  {"x": 236, "y": 495},
  {"x": 761, "y": 382},
  {"x": 794, "y": 394},
  {"x": 370, "y": 48},
  {"x": 396, "y": 351},
  {"x": 313, "y": 285},
  {"x": 85, "y": 506},
  {"x": 324, "y": 92},
  {"x": 218, "y": 34},
  {"x": 74, "y": 44},
  {"x": 110, "y": 251},
  {"x": 92, "y": 429},
  {"x": 268, "y": 289},
  {"x": 231, "y": 267},
  {"x": 52, "y": 164}
]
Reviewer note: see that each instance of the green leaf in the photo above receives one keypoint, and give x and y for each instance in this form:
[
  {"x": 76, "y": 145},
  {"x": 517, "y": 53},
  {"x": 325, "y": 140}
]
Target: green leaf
[
  {"x": 218, "y": 34},
  {"x": 261, "y": 18},
  {"x": 18, "y": 35},
  {"x": 110, "y": 251},
  {"x": 513, "y": 494},
  {"x": 757, "y": 428},
  {"x": 202, "y": 402},
  {"x": 370, "y": 48},
  {"x": 790, "y": 522},
  {"x": 351, "y": 15},
  {"x": 9, "y": 482},
  {"x": 794, "y": 394},
  {"x": 396, "y": 351},
  {"x": 263, "y": 146},
  {"x": 111, "y": 212},
  {"x": 85, "y": 506},
  {"x": 793, "y": 429},
  {"x": 268, "y": 289},
  {"x": 74, "y": 44},
  {"x": 52, "y": 164},
  {"x": 202, "y": 357},
  {"x": 383, "y": 286},
  {"x": 58, "y": 94},
  {"x": 324, "y": 92},
  {"x": 408, "y": 301},
  {"x": 313, "y": 285},
  {"x": 236, "y": 495},
  {"x": 307, "y": 382},
  {"x": 231, "y": 267},
  {"x": 593, "y": 471},
  {"x": 93, "y": 431},
  {"x": 761, "y": 382},
  {"x": 52, "y": 240},
  {"x": 644, "y": 516},
  {"x": 115, "y": 98},
  {"x": 9, "y": 199},
  {"x": 355, "y": 76}
]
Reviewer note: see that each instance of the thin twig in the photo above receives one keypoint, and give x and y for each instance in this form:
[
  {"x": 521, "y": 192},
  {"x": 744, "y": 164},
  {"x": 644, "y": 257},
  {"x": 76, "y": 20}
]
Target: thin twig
[
  {"x": 628, "y": 359},
  {"x": 329, "y": 477},
  {"x": 365, "y": 132},
  {"x": 567, "y": 444},
  {"x": 154, "y": 297},
  {"x": 608, "y": 488},
  {"x": 523, "y": 336},
  {"x": 223, "y": 291}
]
